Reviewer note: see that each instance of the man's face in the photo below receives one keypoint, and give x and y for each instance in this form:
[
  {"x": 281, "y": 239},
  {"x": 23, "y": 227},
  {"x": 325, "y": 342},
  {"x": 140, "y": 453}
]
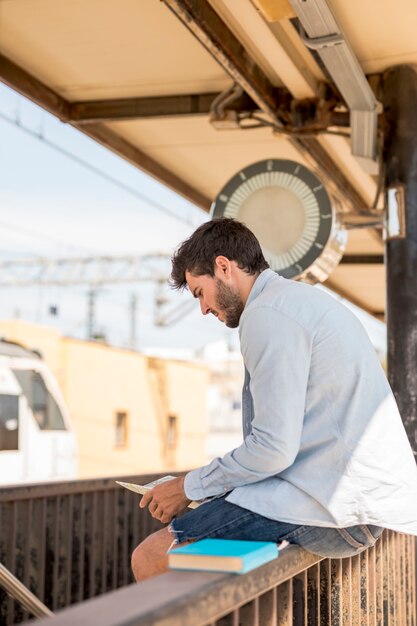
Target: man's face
[{"x": 216, "y": 297}]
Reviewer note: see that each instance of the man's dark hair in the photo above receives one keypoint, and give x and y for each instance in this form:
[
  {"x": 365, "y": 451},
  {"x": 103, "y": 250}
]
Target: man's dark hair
[{"x": 220, "y": 237}]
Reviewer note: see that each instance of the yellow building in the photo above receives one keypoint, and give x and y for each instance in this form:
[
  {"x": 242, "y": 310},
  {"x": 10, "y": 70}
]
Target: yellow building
[{"x": 131, "y": 413}]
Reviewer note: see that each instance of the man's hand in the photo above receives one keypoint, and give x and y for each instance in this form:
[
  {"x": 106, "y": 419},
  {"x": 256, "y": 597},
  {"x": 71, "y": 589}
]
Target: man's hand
[{"x": 166, "y": 500}]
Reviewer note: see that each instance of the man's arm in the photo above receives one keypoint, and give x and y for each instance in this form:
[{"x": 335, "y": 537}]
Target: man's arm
[{"x": 277, "y": 354}]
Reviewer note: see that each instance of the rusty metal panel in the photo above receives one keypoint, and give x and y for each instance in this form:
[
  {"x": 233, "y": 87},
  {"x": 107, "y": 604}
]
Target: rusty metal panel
[
  {"x": 77, "y": 571},
  {"x": 407, "y": 569},
  {"x": 125, "y": 540},
  {"x": 410, "y": 595},
  {"x": 324, "y": 596},
  {"x": 104, "y": 542},
  {"x": 249, "y": 613},
  {"x": 11, "y": 553},
  {"x": 86, "y": 554},
  {"x": 69, "y": 541},
  {"x": 268, "y": 608},
  {"x": 63, "y": 544},
  {"x": 346, "y": 599},
  {"x": 405, "y": 577},
  {"x": 363, "y": 560},
  {"x": 110, "y": 571},
  {"x": 396, "y": 575},
  {"x": 25, "y": 561},
  {"x": 371, "y": 587},
  {"x": 335, "y": 591},
  {"x": 285, "y": 604},
  {"x": 14, "y": 608},
  {"x": 401, "y": 570},
  {"x": 379, "y": 582},
  {"x": 313, "y": 595},
  {"x": 355, "y": 570},
  {"x": 392, "y": 581},
  {"x": 97, "y": 544},
  {"x": 300, "y": 599},
  {"x": 385, "y": 580}
]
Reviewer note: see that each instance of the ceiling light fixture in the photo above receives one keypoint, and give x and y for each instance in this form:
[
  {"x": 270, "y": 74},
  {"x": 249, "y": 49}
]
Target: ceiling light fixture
[{"x": 323, "y": 34}]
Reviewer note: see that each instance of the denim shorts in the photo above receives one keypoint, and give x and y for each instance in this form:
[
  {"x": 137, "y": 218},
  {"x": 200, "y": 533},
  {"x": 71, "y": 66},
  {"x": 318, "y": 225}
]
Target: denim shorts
[{"x": 218, "y": 518}]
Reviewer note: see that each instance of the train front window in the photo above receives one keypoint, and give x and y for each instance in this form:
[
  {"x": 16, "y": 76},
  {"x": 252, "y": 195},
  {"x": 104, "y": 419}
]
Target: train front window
[
  {"x": 44, "y": 408},
  {"x": 9, "y": 422}
]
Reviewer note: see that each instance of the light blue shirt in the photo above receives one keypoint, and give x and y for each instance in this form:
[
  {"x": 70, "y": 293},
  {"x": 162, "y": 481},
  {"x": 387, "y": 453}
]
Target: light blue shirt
[{"x": 324, "y": 444}]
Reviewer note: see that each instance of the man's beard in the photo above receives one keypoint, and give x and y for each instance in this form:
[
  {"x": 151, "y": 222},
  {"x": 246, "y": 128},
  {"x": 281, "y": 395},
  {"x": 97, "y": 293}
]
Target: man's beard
[{"x": 229, "y": 303}]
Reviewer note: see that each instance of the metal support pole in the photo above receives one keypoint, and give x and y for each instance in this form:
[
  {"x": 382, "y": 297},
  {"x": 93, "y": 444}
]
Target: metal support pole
[
  {"x": 91, "y": 308},
  {"x": 133, "y": 316},
  {"x": 400, "y": 156}
]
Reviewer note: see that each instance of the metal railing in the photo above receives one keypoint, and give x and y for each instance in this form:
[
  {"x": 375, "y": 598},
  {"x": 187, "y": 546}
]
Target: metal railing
[
  {"x": 375, "y": 588},
  {"x": 72, "y": 541},
  {"x": 69, "y": 541}
]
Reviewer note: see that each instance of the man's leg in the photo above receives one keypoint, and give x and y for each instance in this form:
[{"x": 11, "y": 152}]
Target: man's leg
[
  {"x": 217, "y": 519},
  {"x": 150, "y": 557}
]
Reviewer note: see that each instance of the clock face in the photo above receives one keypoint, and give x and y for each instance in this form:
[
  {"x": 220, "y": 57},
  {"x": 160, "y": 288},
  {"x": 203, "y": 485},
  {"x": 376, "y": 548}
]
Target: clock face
[{"x": 286, "y": 206}]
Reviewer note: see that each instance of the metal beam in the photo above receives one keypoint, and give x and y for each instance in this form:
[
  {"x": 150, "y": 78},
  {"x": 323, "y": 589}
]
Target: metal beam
[
  {"x": 27, "y": 85},
  {"x": 93, "y": 111},
  {"x": 204, "y": 23},
  {"x": 308, "y": 115},
  {"x": 380, "y": 315},
  {"x": 362, "y": 259},
  {"x": 18, "y": 79}
]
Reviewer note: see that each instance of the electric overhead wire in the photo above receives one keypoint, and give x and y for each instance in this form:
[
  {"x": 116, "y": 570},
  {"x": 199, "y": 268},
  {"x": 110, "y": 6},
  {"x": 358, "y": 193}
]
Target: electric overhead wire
[
  {"x": 37, "y": 235},
  {"x": 108, "y": 177},
  {"x": 40, "y": 136}
]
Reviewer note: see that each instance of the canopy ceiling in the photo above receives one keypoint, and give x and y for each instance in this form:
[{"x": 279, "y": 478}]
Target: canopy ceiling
[{"x": 133, "y": 76}]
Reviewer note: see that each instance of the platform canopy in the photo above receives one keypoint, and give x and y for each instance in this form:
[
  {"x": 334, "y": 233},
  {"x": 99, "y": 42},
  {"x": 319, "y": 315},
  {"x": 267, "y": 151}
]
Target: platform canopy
[{"x": 140, "y": 77}]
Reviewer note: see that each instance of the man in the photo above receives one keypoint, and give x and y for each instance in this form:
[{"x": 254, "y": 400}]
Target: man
[{"x": 325, "y": 461}]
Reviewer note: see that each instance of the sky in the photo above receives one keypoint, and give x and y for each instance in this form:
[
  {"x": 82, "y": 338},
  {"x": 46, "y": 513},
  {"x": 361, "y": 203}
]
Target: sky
[
  {"x": 64, "y": 195},
  {"x": 79, "y": 199}
]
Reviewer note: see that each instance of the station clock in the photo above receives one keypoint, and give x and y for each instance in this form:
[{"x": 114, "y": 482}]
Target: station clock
[{"x": 290, "y": 212}]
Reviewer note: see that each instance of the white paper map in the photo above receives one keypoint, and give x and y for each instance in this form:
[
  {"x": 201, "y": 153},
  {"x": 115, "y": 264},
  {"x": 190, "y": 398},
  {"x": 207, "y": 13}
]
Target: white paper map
[{"x": 142, "y": 489}]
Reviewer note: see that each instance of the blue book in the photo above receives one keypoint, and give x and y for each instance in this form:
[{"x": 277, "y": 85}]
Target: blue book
[{"x": 222, "y": 555}]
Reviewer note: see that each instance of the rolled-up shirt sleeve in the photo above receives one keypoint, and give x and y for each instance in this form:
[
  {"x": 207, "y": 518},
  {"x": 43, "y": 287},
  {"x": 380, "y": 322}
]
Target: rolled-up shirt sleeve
[{"x": 277, "y": 353}]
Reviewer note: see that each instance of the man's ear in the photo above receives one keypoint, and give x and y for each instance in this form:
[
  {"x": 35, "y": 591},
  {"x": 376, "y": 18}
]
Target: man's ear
[{"x": 222, "y": 266}]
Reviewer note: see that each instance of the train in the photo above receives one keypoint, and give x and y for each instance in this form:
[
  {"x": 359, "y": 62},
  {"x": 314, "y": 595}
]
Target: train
[{"x": 37, "y": 438}]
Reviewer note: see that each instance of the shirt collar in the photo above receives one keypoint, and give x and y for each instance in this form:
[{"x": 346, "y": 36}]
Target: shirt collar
[{"x": 263, "y": 279}]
